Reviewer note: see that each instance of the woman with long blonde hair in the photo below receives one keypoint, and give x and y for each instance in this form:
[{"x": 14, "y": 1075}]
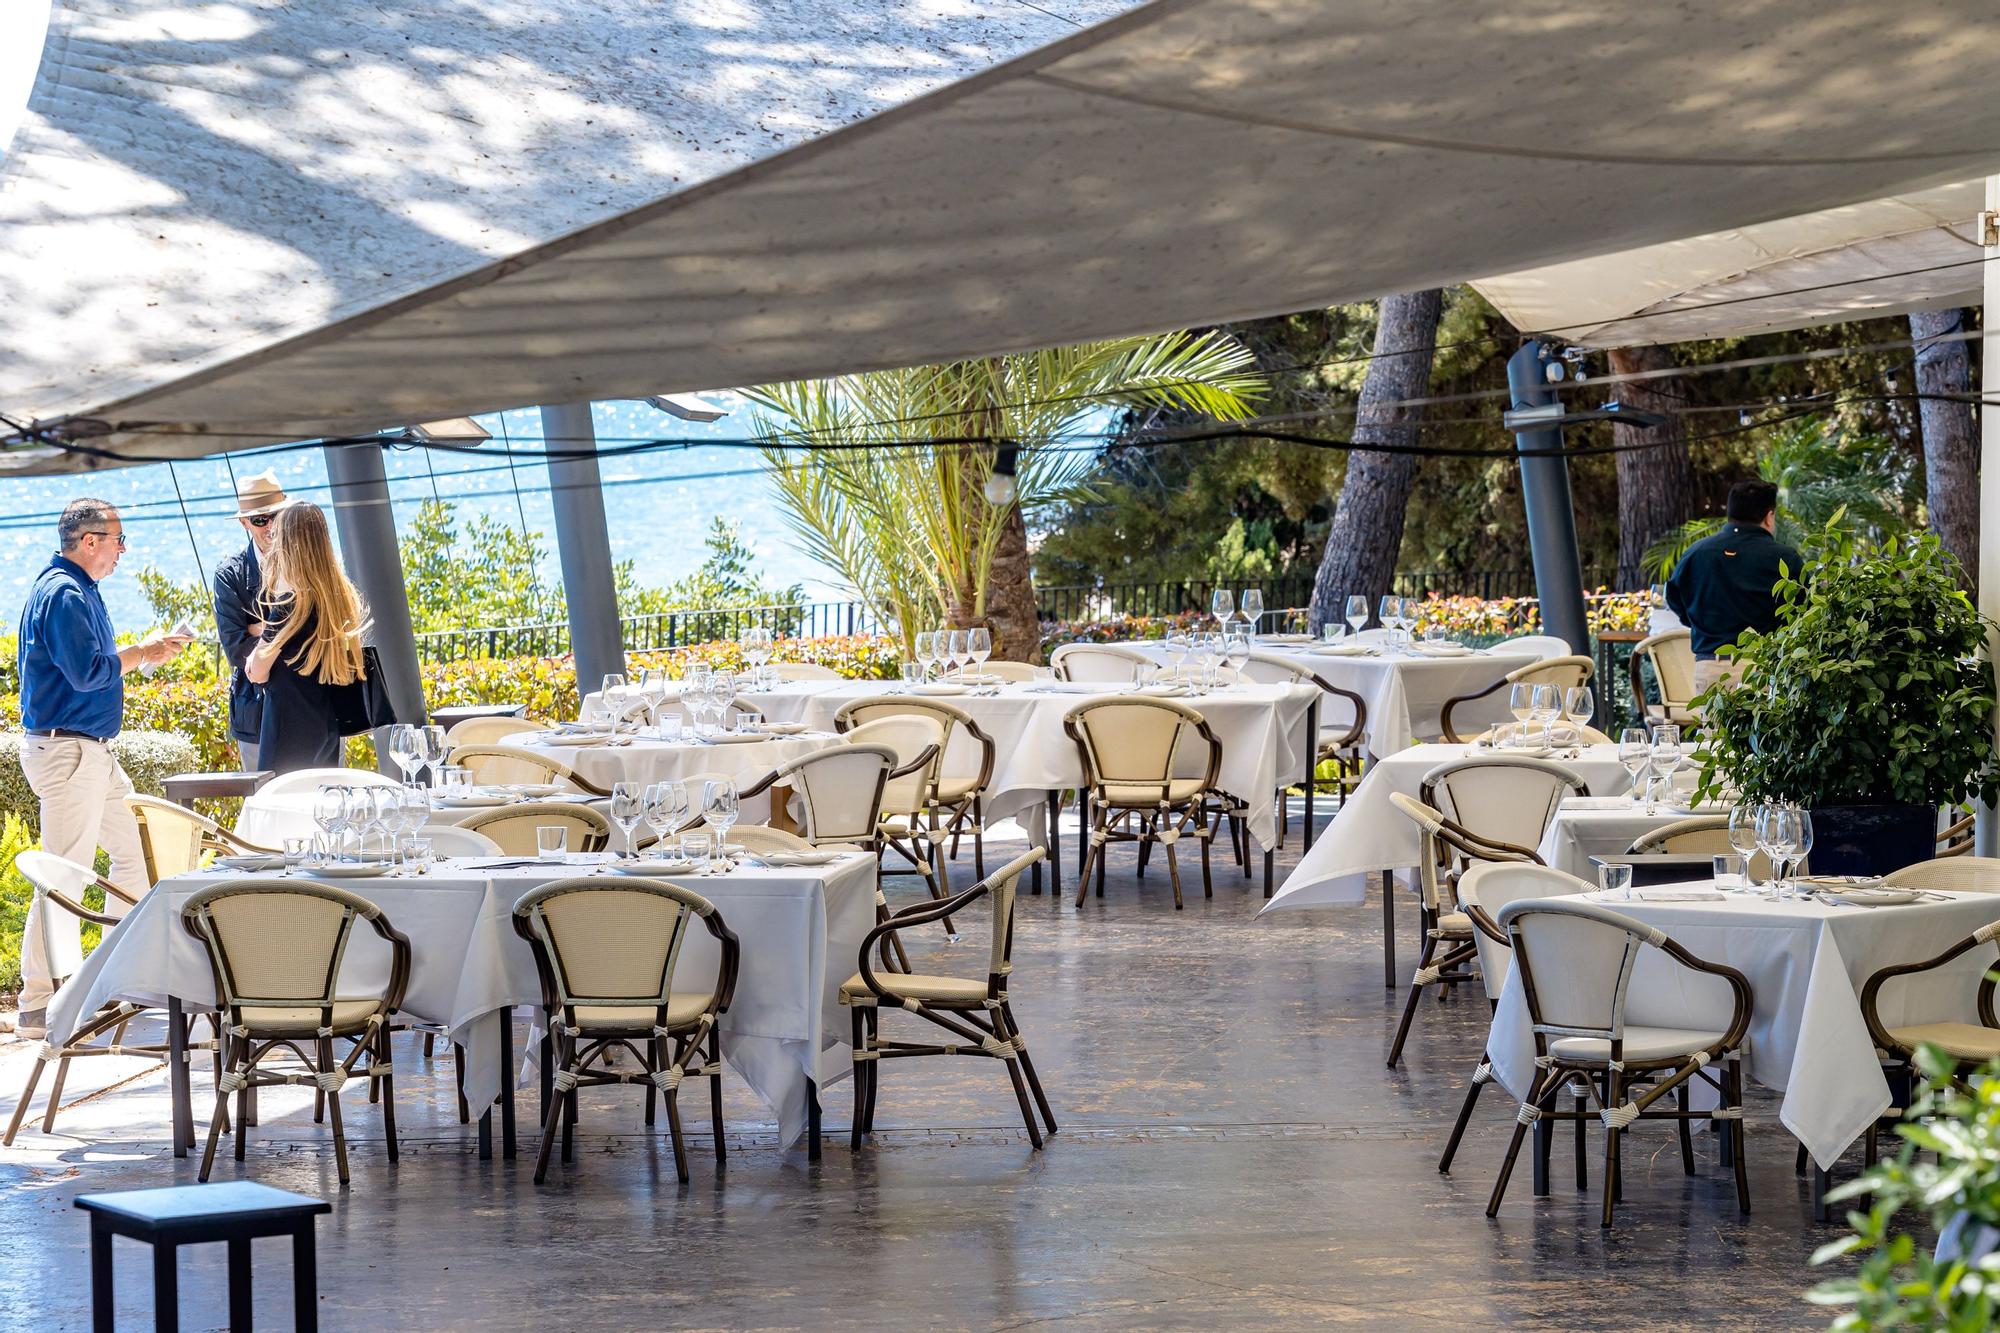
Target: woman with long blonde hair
[{"x": 315, "y": 623}]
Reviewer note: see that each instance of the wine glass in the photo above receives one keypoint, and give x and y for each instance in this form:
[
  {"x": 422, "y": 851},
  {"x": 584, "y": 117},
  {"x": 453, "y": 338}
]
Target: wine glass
[
  {"x": 1634, "y": 752},
  {"x": 1222, "y": 605},
  {"x": 628, "y": 808},
  {"x": 436, "y": 750},
  {"x": 1778, "y": 830},
  {"x": 1743, "y": 835},
  {"x": 756, "y": 645},
  {"x": 611, "y": 689},
  {"x": 1802, "y": 823},
  {"x": 1578, "y": 705},
  {"x": 720, "y": 807},
  {"x": 329, "y": 811},
  {"x": 1357, "y": 612},
  {"x": 1546, "y": 703},
  {"x": 1666, "y": 758},
  {"x": 1521, "y": 703},
  {"x": 959, "y": 650},
  {"x": 979, "y": 647},
  {"x": 721, "y": 694},
  {"x": 1178, "y": 646},
  {"x": 666, "y": 809},
  {"x": 1253, "y": 607},
  {"x": 406, "y": 747},
  {"x": 1236, "y": 650},
  {"x": 927, "y": 650},
  {"x": 653, "y": 690}
]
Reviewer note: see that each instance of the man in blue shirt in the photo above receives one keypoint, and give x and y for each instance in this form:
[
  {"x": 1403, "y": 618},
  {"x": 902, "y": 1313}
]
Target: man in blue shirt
[
  {"x": 72, "y": 703},
  {"x": 1722, "y": 585}
]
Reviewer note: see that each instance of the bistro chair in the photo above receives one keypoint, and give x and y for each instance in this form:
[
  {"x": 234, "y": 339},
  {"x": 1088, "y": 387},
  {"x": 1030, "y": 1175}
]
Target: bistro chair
[
  {"x": 1967, "y": 1043},
  {"x": 275, "y": 947},
  {"x": 512, "y": 827},
  {"x": 842, "y": 793},
  {"x": 505, "y": 765},
  {"x": 453, "y": 840},
  {"x": 1583, "y": 735},
  {"x": 1101, "y": 662},
  {"x": 1671, "y": 656},
  {"x": 1575, "y": 961},
  {"x": 55, "y": 929},
  {"x": 173, "y": 838},
  {"x": 308, "y": 780},
  {"x": 802, "y": 671},
  {"x": 1018, "y": 673},
  {"x": 607, "y": 952},
  {"x": 489, "y": 730},
  {"x": 956, "y": 805},
  {"x": 1485, "y": 889},
  {"x": 756, "y": 838},
  {"x": 1703, "y": 833},
  {"x": 1130, "y": 750},
  {"x": 975, "y": 1013},
  {"x": 1446, "y": 849},
  {"x": 1339, "y": 741},
  {"x": 1543, "y": 645},
  {"x": 1951, "y": 873},
  {"x": 1564, "y": 673},
  {"x": 918, "y": 741},
  {"x": 1956, "y": 837}
]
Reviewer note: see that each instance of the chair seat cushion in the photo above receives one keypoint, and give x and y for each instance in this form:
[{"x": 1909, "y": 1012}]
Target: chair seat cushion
[
  {"x": 1964, "y": 1041},
  {"x": 1454, "y": 923},
  {"x": 1640, "y": 1044},
  {"x": 348, "y": 1016},
  {"x": 950, "y": 790},
  {"x": 1148, "y": 793},
  {"x": 683, "y": 1008},
  {"x": 917, "y": 986}
]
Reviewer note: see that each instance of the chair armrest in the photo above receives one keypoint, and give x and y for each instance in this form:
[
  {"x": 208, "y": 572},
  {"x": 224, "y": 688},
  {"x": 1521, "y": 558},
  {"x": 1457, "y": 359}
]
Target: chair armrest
[
  {"x": 1872, "y": 988},
  {"x": 923, "y": 760},
  {"x": 732, "y": 957},
  {"x": 77, "y": 909},
  {"x": 1444, "y": 715},
  {"x": 757, "y": 788},
  {"x": 1739, "y": 986},
  {"x": 399, "y": 960},
  {"x": 1360, "y": 705},
  {"x": 920, "y": 915}
]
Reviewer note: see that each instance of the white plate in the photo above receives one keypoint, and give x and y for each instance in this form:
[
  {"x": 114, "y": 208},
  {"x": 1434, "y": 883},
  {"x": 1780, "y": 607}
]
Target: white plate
[
  {"x": 251, "y": 861},
  {"x": 1285, "y": 638},
  {"x": 522, "y": 789},
  {"x": 473, "y": 802},
  {"x": 943, "y": 687},
  {"x": 1347, "y": 650},
  {"x": 783, "y": 728},
  {"x": 363, "y": 870},
  {"x": 580, "y": 738},
  {"x": 1877, "y": 895}
]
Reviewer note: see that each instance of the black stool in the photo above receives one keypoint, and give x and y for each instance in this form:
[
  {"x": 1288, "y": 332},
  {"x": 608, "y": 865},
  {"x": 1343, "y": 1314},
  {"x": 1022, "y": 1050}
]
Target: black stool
[{"x": 238, "y": 1211}]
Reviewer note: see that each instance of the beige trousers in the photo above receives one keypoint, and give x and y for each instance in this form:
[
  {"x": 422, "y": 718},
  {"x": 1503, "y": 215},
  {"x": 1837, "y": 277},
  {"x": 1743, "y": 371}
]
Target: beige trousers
[
  {"x": 82, "y": 789},
  {"x": 1707, "y": 671}
]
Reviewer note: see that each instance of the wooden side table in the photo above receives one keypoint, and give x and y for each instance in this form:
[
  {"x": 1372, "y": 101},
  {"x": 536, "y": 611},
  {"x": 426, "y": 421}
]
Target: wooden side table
[
  {"x": 453, "y": 714},
  {"x": 234, "y": 1211},
  {"x": 187, "y": 788}
]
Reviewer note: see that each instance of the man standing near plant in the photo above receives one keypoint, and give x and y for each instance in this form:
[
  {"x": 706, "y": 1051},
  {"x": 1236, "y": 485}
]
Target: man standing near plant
[
  {"x": 72, "y": 703},
  {"x": 1722, "y": 585},
  {"x": 239, "y": 621}
]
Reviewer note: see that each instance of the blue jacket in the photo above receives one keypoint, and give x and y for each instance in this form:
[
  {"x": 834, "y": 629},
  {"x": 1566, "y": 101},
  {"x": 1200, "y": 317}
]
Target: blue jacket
[
  {"x": 1722, "y": 585},
  {"x": 68, "y": 657},
  {"x": 238, "y": 583}
]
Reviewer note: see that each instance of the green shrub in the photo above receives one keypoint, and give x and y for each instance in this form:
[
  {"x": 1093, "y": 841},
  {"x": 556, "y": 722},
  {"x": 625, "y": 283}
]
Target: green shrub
[
  {"x": 149, "y": 759},
  {"x": 15, "y": 837}
]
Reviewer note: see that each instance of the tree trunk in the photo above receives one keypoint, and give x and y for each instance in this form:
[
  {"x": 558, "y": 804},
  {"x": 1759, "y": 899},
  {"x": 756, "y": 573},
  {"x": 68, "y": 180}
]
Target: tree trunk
[
  {"x": 1951, "y": 435},
  {"x": 1010, "y": 594},
  {"x": 1655, "y": 479},
  {"x": 1367, "y": 531}
]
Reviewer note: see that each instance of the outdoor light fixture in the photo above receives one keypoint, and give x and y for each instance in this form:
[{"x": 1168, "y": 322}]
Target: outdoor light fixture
[
  {"x": 999, "y": 487},
  {"x": 687, "y": 407},
  {"x": 1550, "y": 415},
  {"x": 451, "y": 430}
]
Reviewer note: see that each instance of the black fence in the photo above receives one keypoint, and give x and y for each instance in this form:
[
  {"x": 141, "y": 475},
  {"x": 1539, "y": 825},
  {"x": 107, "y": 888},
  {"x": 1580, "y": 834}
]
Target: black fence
[
  {"x": 665, "y": 629},
  {"x": 1103, "y": 601}
]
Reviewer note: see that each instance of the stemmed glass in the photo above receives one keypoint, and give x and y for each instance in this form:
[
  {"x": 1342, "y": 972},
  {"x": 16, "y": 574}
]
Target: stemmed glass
[
  {"x": 1521, "y": 703},
  {"x": 1635, "y": 752},
  {"x": 1578, "y": 705},
  {"x": 410, "y": 809},
  {"x": 1666, "y": 759},
  {"x": 330, "y": 813},
  {"x": 612, "y": 691},
  {"x": 1253, "y": 607},
  {"x": 1546, "y": 702},
  {"x": 666, "y": 810},
  {"x": 979, "y": 647},
  {"x": 436, "y": 750},
  {"x": 721, "y": 694},
  {"x": 1778, "y": 835},
  {"x": 1743, "y": 836},
  {"x": 1357, "y": 612},
  {"x": 927, "y": 650},
  {"x": 1178, "y": 648},
  {"x": 961, "y": 652},
  {"x": 628, "y": 808},
  {"x": 653, "y": 689},
  {"x": 719, "y": 806},
  {"x": 756, "y": 645},
  {"x": 1236, "y": 649},
  {"x": 406, "y": 747},
  {"x": 1802, "y": 818},
  {"x": 1222, "y": 605}
]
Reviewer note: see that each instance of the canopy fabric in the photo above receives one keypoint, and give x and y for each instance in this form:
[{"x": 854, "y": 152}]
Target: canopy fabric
[
  {"x": 1884, "y": 256},
  {"x": 1188, "y": 162}
]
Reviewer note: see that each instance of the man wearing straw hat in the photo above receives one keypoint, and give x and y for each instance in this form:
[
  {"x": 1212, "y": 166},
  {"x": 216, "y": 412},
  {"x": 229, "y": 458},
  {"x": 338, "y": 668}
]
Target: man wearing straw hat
[{"x": 239, "y": 618}]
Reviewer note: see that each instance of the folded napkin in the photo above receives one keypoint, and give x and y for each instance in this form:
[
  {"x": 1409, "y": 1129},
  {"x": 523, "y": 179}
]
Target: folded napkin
[
  {"x": 1664, "y": 893},
  {"x": 1347, "y": 650}
]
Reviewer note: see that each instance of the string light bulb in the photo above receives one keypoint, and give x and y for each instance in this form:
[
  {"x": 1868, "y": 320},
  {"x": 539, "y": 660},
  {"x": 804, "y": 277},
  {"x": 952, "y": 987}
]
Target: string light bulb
[{"x": 999, "y": 486}]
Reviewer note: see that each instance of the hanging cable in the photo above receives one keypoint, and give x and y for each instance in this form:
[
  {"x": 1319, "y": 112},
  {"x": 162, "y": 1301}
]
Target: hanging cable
[{"x": 193, "y": 546}]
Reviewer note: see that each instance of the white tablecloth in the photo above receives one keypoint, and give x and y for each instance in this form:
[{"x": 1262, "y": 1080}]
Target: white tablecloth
[
  {"x": 1806, "y": 964},
  {"x": 1261, "y": 727},
  {"x": 643, "y": 760},
  {"x": 1404, "y": 692},
  {"x": 1576, "y": 835},
  {"x": 1370, "y": 834},
  {"x": 801, "y": 932}
]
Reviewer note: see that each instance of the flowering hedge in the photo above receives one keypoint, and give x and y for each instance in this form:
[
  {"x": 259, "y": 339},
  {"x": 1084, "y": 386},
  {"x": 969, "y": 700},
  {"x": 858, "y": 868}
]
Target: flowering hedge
[{"x": 1465, "y": 617}]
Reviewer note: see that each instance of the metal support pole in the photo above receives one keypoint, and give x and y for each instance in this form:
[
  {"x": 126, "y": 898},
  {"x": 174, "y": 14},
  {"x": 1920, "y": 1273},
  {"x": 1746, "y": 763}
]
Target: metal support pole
[
  {"x": 1986, "y": 834},
  {"x": 368, "y": 547},
  {"x": 583, "y": 545},
  {"x": 1551, "y": 515}
]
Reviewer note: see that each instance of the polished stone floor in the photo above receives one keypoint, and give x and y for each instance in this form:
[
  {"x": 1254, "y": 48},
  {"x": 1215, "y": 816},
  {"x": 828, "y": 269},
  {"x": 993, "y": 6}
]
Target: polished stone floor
[{"x": 1232, "y": 1153}]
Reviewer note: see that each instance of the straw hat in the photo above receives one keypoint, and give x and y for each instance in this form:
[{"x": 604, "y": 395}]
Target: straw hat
[{"x": 260, "y": 494}]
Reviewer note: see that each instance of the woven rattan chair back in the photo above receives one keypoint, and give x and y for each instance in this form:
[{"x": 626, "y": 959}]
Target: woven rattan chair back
[
  {"x": 1133, "y": 742},
  {"x": 964, "y": 755},
  {"x": 840, "y": 790},
  {"x": 56, "y": 881},
  {"x": 763, "y": 838},
  {"x": 1488, "y": 887},
  {"x": 1956, "y": 874},
  {"x": 171, "y": 837},
  {"x": 1501, "y": 799},
  {"x": 1672, "y": 657},
  {"x": 307, "y": 780},
  {"x": 908, "y": 735},
  {"x": 488, "y": 730},
  {"x": 1576, "y": 964},
  {"x": 1542, "y": 645},
  {"x": 497, "y": 765},
  {"x": 611, "y": 943},
  {"x": 276, "y": 943},
  {"x": 452, "y": 840},
  {"x": 803, "y": 671},
  {"x": 1562, "y": 672},
  {"x": 1706, "y": 833},
  {"x": 513, "y": 827},
  {"x": 1100, "y": 662},
  {"x": 1018, "y": 672}
]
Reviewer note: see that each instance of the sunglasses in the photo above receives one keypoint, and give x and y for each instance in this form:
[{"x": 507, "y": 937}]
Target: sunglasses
[
  {"x": 117, "y": 536},
  {"x": 260, "y": 520}
]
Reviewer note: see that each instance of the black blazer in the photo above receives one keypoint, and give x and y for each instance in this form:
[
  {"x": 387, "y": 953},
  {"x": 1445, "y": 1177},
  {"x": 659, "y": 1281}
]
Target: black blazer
[{"x": 237, "y": 583}]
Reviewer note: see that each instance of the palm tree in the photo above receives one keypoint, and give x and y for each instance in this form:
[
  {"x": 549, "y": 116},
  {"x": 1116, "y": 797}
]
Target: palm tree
[
  {"x": 882, "y": 476},
  {"x": 1820, "y": 471}
]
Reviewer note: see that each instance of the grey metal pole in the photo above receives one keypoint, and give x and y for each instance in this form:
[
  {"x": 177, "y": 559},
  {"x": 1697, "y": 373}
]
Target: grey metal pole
[
  {"x": 368, "y": 547},
  {"x": 1551, "y": 514},
  {"x": 577, "y": 494}
]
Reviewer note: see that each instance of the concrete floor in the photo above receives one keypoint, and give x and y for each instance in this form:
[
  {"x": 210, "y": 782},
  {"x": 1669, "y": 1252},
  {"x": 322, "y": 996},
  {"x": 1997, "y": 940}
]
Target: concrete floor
[{"x": 1232, "y": 1153}]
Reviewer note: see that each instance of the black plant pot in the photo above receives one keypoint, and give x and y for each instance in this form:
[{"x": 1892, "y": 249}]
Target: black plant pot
[{"x": 1871, "y": 839}]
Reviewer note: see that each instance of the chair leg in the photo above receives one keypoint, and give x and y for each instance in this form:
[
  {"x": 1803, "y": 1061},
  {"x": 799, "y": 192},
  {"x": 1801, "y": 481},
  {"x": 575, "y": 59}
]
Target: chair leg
[
  {"x": 214, "y": 1131},
  {"x": 1687, "y": 1131},
  {"x": 1021, "y": 1096},
  {"x": 21, "y": 1107},
  {"x": 652, "y": 1060},
  {"x": 1733, "y": 1084},
  {"x": 1464, "y": 1116},
  {"x": 674, "y": 1130},
  {"x": 979, "y": 836},
  {"x": 550, "y": 1121},
  {"x": 388, "y": 1085},
  {"x": 458, "y": 1063},
  {"x": 1028, "y": 1067},
  {"x": 860, "y": 1078},
  {"x": 874, "y": 1017},
  {"x": 1514, "y": 1147},
  {"x": 325, "y": 1061},
  {"x": 1410, "y": 1004},
  {"x": 1207, "y": 874},
  {"x": 430, "y": 1045},
  {"x": 1611, "y": 1172},
  {"x": 55, "y": 1096},
  {"x": 1582, "y": 1169},
  {"x": 1174, "y": 874},
  {"x": 715, "y": 1092},
  {"x": 242, "y": 1126},
  {"x": 1093, "y": 857}
]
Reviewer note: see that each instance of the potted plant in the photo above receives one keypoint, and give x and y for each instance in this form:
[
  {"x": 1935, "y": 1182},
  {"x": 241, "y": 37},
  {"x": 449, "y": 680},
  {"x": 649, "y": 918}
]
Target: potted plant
[
  {"x": 1871, "y": 703},
  {"x": 1956, "y": 1287}
]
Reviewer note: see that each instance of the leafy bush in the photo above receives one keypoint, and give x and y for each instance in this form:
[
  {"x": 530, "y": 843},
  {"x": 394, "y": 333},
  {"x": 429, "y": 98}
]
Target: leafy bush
[
  {"x": 15, "y": 892},
  {"x": 149, "y": 759}
]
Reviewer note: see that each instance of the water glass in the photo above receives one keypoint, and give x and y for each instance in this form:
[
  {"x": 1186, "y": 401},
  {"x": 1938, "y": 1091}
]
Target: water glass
[
  {"x": 913, "y": 675},
  {"x": 1635, "y": 752},
  {"x": 1728, "y": 871},
  {"x": 297, "y": 852},
  {"x": 1330, "y": 632},
  {"x": 628, "y": 808},
  {"x": 552, "y": 842},
  {"x": 1615, "y": 881},
  {"x": 670, "y": 728},
  {"x": 979, "y": 647},
  {"x": 694, "y": 849}
]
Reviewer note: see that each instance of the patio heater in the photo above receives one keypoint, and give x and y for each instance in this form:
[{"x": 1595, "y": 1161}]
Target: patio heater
[{"x": 1537, "y": 418}]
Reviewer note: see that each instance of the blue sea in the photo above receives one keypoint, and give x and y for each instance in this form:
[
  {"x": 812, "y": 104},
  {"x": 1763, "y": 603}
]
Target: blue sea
[{"x": 658, "y": 504}]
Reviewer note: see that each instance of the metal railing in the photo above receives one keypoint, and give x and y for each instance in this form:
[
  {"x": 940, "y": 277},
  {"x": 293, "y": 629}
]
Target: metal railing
[
  {"x": 1102, "y": 601},
  {"x": 653, "y": 632}
]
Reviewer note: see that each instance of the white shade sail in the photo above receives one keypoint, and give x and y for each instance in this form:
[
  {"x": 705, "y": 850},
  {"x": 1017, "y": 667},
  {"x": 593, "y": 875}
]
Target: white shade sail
[
  {"x": 1883, "y": 256},
  {"x": 1187, "y": 162}
]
